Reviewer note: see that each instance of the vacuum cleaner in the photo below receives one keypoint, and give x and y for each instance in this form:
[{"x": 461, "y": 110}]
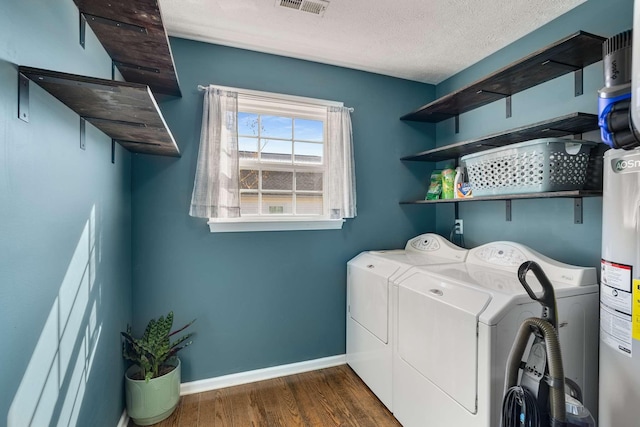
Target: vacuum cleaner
[
  {"x": 614, "y": 99},
  {"x": 535, "y": 390}
]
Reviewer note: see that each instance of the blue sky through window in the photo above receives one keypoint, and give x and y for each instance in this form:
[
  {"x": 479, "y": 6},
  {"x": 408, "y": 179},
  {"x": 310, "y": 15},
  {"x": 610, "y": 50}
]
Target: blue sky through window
[{"x": 279, "y": 127}]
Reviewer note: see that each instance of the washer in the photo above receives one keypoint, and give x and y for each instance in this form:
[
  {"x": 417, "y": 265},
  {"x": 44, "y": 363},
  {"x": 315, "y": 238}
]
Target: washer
[
  {"x": 370, "y": 305},
  {"x": 456, "y": 324}
]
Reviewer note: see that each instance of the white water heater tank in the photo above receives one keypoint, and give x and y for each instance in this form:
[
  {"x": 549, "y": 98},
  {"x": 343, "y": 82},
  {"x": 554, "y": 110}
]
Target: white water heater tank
[{"x": 620, "y": 291}]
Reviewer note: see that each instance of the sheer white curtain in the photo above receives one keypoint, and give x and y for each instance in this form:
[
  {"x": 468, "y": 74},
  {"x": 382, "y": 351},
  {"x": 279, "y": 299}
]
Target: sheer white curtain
[
  {"x": 342, "y": 185},
  {"x": 216, "y": 191}
]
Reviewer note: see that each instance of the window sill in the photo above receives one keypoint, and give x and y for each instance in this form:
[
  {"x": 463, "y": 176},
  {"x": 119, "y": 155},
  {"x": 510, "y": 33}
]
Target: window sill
[{"x": 235, "y": 226}]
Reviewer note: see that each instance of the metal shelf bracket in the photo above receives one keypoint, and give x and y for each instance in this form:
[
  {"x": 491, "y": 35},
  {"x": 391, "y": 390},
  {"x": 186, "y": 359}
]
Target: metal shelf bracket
[
  {"x": 577, "y": 210},
  {"x": 578, "y": 82},
  {"x": 23, "y": 97},
  {"x": 83, "y": 126},
  {"x": 83, "y": 29},
  {"x": 508, "y": 210}
]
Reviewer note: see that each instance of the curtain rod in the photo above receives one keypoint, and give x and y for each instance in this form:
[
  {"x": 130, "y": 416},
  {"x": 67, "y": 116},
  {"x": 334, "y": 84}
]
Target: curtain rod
[{"x": 203, "y": 88}]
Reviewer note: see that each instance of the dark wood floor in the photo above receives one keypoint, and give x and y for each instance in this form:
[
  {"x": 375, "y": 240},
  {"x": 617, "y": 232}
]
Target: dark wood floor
[{"x": 327, "y": 397}]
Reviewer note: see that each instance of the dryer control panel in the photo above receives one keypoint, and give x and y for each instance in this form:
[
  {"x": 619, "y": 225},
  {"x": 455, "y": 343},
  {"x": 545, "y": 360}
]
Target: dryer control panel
[
  {"x": 436, "y": 245},
  {"x": 509, "y": 256},
  {"x": 424, "y": 244},
  {"x": 501, "y": 254}
]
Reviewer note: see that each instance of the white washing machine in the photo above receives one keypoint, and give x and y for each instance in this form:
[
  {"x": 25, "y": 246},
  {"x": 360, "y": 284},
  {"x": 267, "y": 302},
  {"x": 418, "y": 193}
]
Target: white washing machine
[
  {"x": 370, "y": 305},
  {"x": 456, "y": 324}
]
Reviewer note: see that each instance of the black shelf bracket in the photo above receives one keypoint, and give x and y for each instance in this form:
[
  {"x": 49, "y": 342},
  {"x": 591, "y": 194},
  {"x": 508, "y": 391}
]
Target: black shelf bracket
[
  {"x": 113, "y": 151},
  {"x": 578, "y": 82},
  {"x": 577, "y": 74},
  {"x": 23, "y": 97},
  {"x": 136, "y": 67},
  {"x": 577, "y": 210},
  {"x": 506, "y": 96},
  {"x": 83, "y": 128},
  {"x": 457, "y": 123},
  {"x": 508, "y": 210},
  {"x": 114, "y": 23},
  {"x": 82, "y": 29}
]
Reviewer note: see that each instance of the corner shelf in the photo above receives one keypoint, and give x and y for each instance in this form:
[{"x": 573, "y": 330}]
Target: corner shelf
[
  {"x": 132, "y": 33},
  {"x": 126, "y": 112},
  {"x": 569, "y": 124},
  {"x": 572, "y": 53}
]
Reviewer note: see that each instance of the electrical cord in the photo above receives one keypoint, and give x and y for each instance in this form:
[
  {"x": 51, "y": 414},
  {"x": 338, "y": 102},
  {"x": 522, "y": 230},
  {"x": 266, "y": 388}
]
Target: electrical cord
[
  {"x": 520, "y": 409},
  {"x": 452, "y": 238}
]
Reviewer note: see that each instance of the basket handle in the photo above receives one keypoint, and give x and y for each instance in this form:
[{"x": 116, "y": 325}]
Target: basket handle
[{"x": 572, "y": 148}]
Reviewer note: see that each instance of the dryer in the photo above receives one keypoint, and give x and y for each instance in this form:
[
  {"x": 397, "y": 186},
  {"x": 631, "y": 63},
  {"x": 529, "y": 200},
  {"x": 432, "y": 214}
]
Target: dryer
[
  {"x": 370, "y": 307},
  {"x": 455, "y": 325}
]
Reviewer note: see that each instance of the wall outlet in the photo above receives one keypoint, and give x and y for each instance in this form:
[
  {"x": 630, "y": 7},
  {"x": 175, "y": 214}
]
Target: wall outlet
[{"x": 457, "y": 225}]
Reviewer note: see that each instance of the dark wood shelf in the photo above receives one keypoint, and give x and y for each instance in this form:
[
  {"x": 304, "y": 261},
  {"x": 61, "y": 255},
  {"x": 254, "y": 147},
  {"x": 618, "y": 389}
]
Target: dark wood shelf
[
  {"x": 570, "y": 124},
  {"x": 547, "y": 195},
  {"x": 569, "y": 54},
  {"x": 126, "y": 112},
  {"x": 132, "y": 33}
]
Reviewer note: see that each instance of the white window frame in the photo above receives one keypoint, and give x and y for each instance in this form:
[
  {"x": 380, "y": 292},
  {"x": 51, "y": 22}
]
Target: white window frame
[{"x": 268, "y": 103}]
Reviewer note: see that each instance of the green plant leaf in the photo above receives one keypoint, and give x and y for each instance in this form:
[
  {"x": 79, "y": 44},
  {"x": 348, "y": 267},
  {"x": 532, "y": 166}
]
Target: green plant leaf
[{"x": 152, "y": 350}]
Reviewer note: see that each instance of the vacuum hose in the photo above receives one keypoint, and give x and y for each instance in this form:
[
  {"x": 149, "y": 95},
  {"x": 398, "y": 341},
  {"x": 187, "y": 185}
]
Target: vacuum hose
[{"x": 556, "y": 371}]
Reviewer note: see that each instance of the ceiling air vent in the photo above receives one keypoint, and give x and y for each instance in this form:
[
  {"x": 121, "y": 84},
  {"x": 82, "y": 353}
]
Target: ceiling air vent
[{"x": 317, "y": 7}]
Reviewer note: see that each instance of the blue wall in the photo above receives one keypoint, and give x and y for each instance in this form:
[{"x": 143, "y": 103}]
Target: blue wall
[
  {"x": 545, "y": 225},
  {"x": 270, "y": 298},
  {"x": 80, "y": 237},
  {"x": 65, "y": 235}
]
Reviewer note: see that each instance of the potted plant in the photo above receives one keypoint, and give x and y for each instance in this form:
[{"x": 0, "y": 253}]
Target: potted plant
[{"x": 152, "y": 382}]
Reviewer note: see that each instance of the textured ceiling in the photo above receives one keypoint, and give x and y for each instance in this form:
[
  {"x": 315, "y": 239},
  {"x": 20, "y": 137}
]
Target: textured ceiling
[{"x": 422, "y": 40}]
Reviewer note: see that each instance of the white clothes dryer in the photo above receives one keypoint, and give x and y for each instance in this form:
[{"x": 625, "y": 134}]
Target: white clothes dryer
[
  {"x": 456, "y": 324},
  {"x": 370, "y": 306}
]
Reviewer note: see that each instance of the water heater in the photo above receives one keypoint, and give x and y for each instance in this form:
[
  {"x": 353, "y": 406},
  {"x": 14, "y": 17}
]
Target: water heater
[
  {"x": 620, "y": 275},
  {"x": 620, "y": 291}
]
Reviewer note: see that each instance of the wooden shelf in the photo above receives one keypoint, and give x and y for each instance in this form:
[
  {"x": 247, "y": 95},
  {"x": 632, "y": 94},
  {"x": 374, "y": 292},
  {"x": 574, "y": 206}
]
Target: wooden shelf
[
  {"x": 126, "y": 112},
  {"x": 548, "y": 195},
  {"x": 570, "y": 124},
  {"x": 132, "y": 33},
  {"x": 569, "y": 54}
]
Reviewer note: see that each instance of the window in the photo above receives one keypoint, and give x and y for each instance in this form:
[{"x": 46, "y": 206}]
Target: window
[
  {"x": 287, "y": 163},
  {"x": 282, "y": 157}
]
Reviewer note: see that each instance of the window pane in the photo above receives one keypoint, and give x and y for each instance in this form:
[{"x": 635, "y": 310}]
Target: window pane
[
  {"x": 308, "y": 181},
  {"x": 310, "y": 130},
  {"x": 276, "y": 127},
  {"x": 272, "y": 180},
  {"x": 309, "y": 204},
  {"x": 248, "y": 204},
  {"x": 308, "y": 152},
  {"x": 247, "y": 124},
  {"x": 248, "y": 179},
  {"x": 247, "y": 148},
  {"x": 277, "y": 204},
  {"x": 275, "y": 151}
]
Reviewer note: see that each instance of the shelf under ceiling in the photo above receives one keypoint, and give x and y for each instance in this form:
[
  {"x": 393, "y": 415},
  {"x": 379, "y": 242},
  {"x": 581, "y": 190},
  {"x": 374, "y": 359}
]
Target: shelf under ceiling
[
  {"x": 132, "y": 33},
  {"x": 572, "y": 53}
]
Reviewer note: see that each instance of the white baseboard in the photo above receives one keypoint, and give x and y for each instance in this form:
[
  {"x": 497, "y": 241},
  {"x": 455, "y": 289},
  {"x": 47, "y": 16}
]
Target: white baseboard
[
  {"x": 260, "y": 374},
  {"x": 124, "y": 419}
]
